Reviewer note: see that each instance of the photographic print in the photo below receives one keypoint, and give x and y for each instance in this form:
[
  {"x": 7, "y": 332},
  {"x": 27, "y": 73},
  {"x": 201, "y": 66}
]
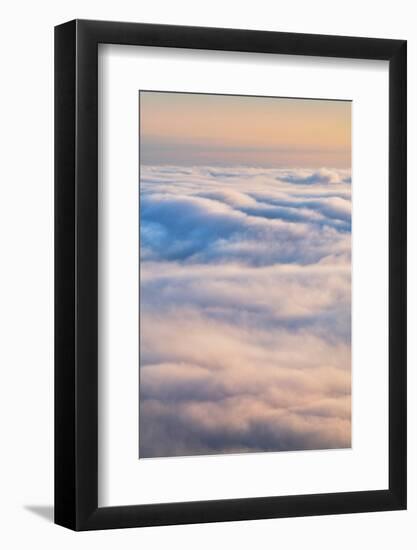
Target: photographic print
[{"x": 245, "y": 274}]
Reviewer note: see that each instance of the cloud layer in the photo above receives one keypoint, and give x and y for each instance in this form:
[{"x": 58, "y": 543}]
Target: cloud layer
[{"x": 245, "y": 310}]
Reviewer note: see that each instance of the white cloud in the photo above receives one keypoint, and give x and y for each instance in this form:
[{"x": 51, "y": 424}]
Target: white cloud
[{"x": 245, "y": 310}]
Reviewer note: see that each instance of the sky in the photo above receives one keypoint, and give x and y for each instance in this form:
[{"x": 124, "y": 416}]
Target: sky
[
  {"x": 245, "y": 294},
  {"x": 203, "y": 129}
]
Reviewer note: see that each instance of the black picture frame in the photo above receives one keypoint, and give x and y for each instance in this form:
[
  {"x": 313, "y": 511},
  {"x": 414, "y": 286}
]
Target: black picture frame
[{"x": 76, "y": 272}]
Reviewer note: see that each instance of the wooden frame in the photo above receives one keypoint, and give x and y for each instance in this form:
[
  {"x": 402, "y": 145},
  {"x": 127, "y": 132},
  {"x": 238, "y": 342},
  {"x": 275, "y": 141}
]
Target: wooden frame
[{"x": 76, "y": 270}]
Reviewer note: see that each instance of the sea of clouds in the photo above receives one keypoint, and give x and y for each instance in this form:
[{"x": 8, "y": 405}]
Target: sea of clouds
[{"x": 245, "y": 288}]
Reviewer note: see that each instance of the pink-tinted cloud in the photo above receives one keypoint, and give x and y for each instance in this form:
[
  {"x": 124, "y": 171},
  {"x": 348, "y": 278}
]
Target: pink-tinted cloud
[{"x": 245, "y": 311}]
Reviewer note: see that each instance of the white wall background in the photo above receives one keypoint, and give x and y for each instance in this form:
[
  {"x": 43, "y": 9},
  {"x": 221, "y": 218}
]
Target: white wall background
[{"x": 26, "y": 273}]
